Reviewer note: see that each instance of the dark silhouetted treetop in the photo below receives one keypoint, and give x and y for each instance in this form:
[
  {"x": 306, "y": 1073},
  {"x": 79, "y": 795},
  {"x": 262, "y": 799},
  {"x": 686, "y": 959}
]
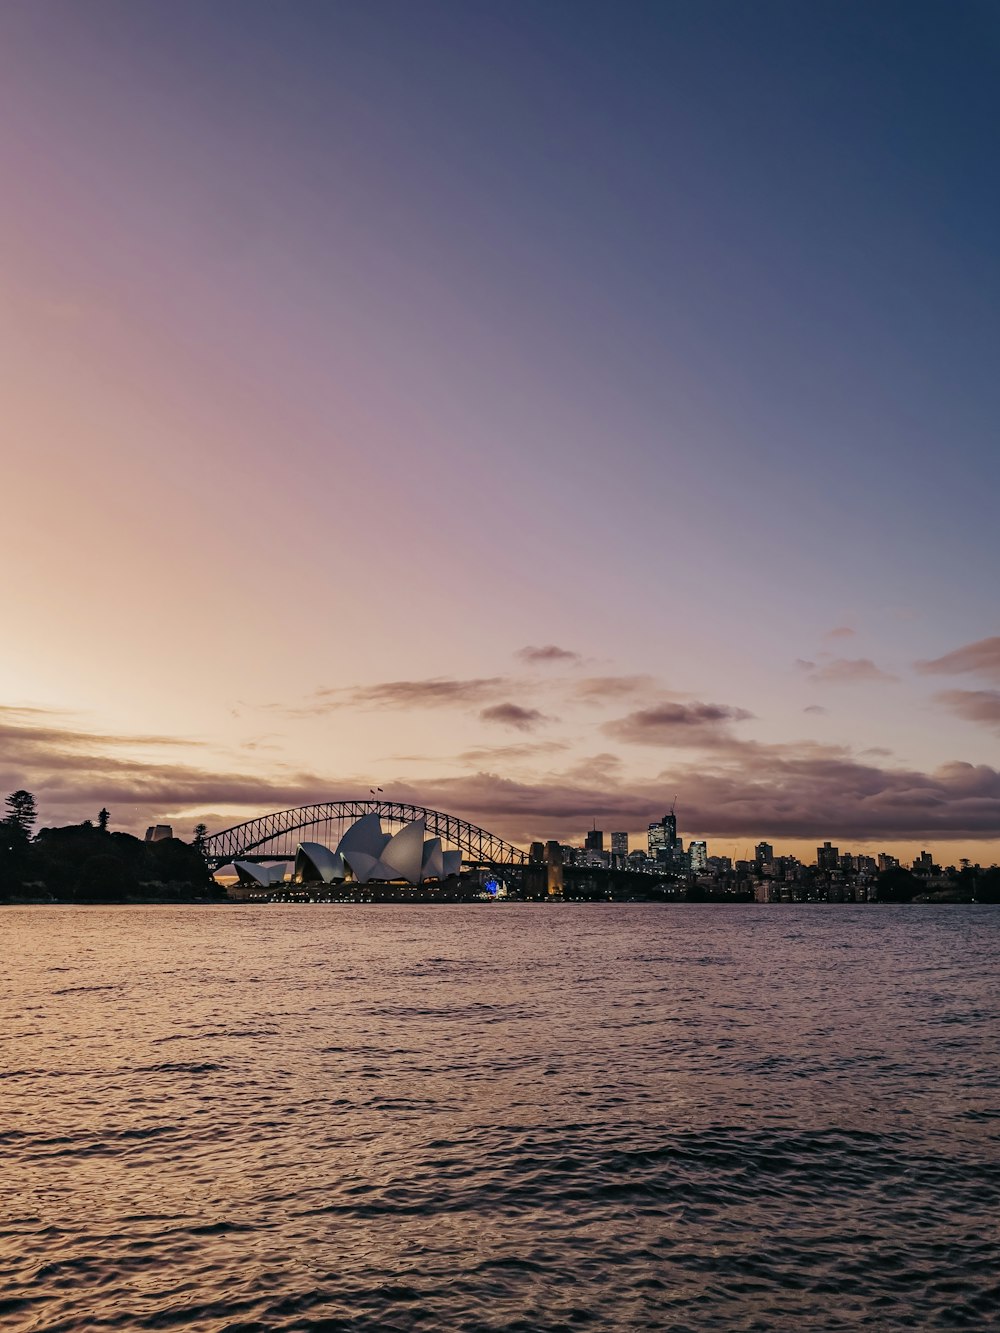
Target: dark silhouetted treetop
[{"x": 21, "y": 811}]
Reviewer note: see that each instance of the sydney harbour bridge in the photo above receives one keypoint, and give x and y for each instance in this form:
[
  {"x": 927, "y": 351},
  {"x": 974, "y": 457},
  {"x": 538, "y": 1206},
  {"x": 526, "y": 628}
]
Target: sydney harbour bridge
[{"x": 274, "y": 837}]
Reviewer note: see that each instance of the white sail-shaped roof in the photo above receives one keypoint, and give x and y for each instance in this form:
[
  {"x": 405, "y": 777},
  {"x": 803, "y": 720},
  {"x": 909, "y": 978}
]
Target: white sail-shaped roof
[
  {"x": 452, "y": 864},
  {"x": 365, "y": 835},
  {"x": 363, "y": 866},
  {"x": 249, "y": 873},
  {"x": 403, "y": 855},
  {"x": 433, "y": 862},
  {"x": 314, "y": 862}
]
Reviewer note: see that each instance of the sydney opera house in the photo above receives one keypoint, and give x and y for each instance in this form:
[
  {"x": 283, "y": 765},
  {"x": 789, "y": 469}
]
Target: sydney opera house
[{"x": 364, "y": 853}]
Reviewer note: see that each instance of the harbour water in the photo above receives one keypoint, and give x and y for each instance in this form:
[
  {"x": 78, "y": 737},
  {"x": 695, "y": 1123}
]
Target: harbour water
[{"x": 529, "y": 1117}]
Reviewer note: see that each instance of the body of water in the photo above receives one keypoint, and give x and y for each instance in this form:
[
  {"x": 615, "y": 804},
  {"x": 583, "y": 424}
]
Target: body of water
[{"x": 529, "y": 1117}]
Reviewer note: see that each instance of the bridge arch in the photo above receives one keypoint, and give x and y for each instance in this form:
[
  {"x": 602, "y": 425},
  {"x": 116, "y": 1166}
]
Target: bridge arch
[{"x": 275, "y": 835}]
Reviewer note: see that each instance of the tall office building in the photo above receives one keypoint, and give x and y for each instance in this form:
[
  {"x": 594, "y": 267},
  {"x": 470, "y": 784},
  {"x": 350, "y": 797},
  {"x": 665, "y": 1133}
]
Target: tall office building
[
  {"x": 619, "y": 844},
  {"x": 554, "y": 870},
  {"x": 663, "y": 837},
  {"x": 827, "y": 857},
  {"x": 763, "y": 853},
  {"x": 594, "y": 841},
  {"x": 670, "y": 829},
  {"x": 698, "y": 852}
]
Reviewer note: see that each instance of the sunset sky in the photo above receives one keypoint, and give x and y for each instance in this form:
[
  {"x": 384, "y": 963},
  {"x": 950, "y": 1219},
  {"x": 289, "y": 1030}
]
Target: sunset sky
[{"x": 539, "y": 410}]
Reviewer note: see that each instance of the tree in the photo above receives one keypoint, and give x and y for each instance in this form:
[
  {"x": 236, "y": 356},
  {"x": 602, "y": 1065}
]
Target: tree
[
  {"x": 896, "y": 886},
  {"x": 21, "y": 811},
  {"x": 200, "y": 834},
  {"x": 14, "y": 857},
  {"x": 102, "y": 819},
  {"x": 104, "y": 879},
  {"x": 988, "y": 888}
]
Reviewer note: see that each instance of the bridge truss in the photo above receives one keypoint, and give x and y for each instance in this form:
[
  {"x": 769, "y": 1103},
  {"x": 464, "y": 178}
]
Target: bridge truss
[{"x": 274, "y": 836}]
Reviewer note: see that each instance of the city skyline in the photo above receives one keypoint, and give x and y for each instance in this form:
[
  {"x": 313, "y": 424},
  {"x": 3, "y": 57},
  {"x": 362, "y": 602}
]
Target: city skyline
[{"x": 540, "y": 415}]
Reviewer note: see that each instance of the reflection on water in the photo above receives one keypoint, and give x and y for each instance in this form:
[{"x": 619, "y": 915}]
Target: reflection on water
[{"x": 518, "y": 1117}]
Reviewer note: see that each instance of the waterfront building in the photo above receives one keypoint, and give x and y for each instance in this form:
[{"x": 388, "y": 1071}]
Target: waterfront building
[
  {"x": 554, "y": 853},
  {"x": 554, "y": 876},
  {"x": 827, "y": 857},
  {"x": 367, "y": 853},
  {"x": 662, "y": 837},
  {"x": 256, "y": 876}
]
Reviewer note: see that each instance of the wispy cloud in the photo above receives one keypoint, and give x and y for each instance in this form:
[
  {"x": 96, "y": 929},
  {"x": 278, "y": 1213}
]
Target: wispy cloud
[
  {"x": 815, "y": 708},
  {"x": 505, "y": 754},
  {"x": 23, "y": 730},
  {"x": 980, "y": 658},
  {"x": 549, "y": 653},
  {"x": 601, "y": 768},
  {"x": 436, "y": 692},
  {"x": 846, "y": 671},
  {"x": 513, "y": 715},
  {"x": 840, "y": 632},
  {"x": 601, "y": 689},
  {"x": 981, "y": 706}
]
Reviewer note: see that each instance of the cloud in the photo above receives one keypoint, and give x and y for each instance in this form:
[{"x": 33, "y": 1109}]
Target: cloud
[
  {"x": 792, "y": 791},
  {"x": 815, "y": 708},
  {"x": 733, "y": 789},
  {"x": 504, "y": 754},
  {"x": 437, "y": 692},
  {"x": 846, "y": 671},
  {"x": 841, "y": 632},
  {"x": 19, "y": 740},
  {"x": 547, "y": 654},
  {"x": 981, "y": 658},
  {"x": 513, "y": 715},
  {"x": 602, "y": 767},
  {"x": 73, "y": 772},
  {"x": 597, "y": 689},
  {"x": 676, "y": 724},
  {"x": 972, "y": 705}
]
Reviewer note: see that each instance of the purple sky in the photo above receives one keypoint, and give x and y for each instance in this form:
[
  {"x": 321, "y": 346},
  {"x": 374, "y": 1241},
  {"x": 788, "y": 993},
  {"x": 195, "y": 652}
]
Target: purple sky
[{"x": 351, "y": 352}]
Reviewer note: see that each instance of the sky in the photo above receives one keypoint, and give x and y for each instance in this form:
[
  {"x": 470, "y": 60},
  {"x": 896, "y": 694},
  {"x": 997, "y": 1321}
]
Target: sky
[{"x": 543, "y": 411}]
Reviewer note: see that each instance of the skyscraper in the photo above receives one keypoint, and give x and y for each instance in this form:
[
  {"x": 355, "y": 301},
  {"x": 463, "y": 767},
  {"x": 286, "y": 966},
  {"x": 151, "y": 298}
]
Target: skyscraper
[
  {"x": 594, "y": 841},
  {"x": 663, "y": 837},
  {"x": 619, "y": 844},
  {"x": 698, "y": 852},
  {"x": 763, "y": 853}
]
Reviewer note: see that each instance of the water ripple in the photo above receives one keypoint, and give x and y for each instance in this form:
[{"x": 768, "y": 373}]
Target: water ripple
[{"x": 534, "y": 1119}]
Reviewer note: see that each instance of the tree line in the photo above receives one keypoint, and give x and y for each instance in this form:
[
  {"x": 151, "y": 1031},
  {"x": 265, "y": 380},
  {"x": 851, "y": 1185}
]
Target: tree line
[{"x": 88, "y": 863}]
